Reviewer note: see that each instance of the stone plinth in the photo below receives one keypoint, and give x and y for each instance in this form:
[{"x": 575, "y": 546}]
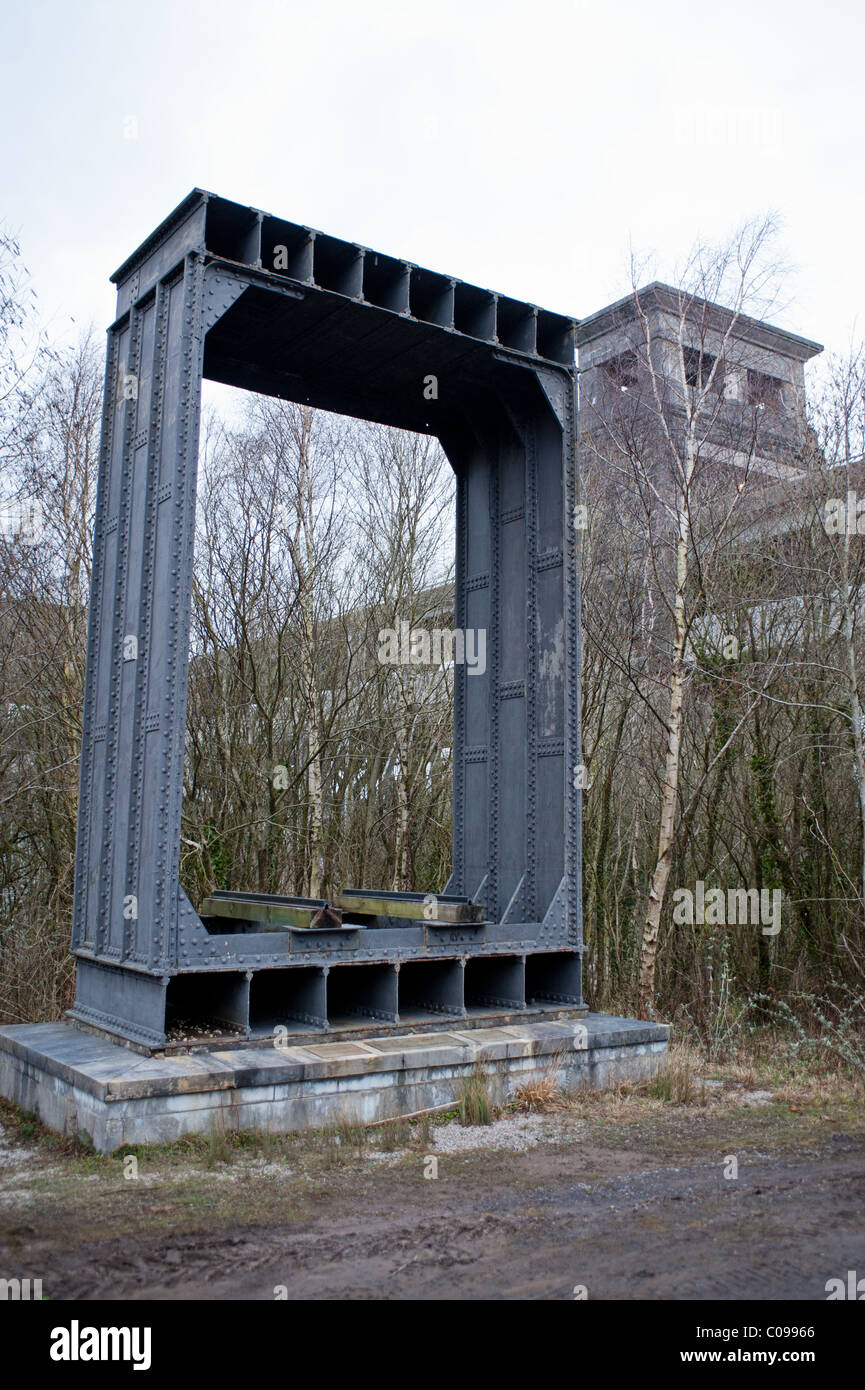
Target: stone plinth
[{"x": 79, "y": 1083}]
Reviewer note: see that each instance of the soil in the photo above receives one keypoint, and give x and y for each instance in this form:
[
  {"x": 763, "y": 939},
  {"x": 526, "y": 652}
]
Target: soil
[{"x": 626, "y": 1197}]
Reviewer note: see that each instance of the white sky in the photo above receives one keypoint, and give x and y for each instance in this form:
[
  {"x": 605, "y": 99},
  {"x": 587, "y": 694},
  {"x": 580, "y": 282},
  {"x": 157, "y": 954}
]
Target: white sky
[{"x": 521, "y": 146}]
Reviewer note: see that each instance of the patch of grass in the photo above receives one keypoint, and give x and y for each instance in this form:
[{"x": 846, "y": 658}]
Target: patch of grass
[
  {"x": 544, "y": 1094},
  {"x": 352, "y": 1136},
  {"x": 422, "y": 1131},
  {"x": 394, "y": 1135},
  {"x": 27, "y": 1128},
  {"x": 23, "y": 1127},
  {"x": 474, "y": 1106},
  {"x": 541, "y": 1096},
  {"x": 219, "y": 1149},
  {"x": 677, "y": 1082},
  {"x": 444, "y": 1117},
  {"x": 267, "y": 1145},
  {"x": 337, "y": 1144},
  {"x": 825, "y": 1031}
]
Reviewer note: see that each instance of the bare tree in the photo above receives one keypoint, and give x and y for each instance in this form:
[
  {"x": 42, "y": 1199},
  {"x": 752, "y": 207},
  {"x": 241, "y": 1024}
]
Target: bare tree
[
  {"x": 44, "y": 578},
  {"x": 836, "y": 459},
  {"x": 667, "y": 425}
]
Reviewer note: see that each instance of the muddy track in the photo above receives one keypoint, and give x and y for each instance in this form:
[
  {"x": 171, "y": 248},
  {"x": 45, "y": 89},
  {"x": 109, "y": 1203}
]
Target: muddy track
[{"x": 512, "y": 1226}]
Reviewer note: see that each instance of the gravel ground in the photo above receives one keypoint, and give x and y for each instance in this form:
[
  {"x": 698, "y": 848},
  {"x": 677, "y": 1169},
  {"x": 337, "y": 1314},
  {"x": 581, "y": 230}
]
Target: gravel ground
[
  {"x": 12, "y": 1155},
  {"x": 517, "y": 1133}
]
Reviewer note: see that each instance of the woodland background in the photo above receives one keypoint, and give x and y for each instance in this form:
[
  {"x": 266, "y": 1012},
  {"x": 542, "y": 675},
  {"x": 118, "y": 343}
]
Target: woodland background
[{"x": 311, "y": 765}]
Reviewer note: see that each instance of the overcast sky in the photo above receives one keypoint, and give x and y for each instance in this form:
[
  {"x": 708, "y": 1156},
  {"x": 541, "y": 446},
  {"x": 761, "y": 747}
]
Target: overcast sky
[{"x": 521, "y": 146}]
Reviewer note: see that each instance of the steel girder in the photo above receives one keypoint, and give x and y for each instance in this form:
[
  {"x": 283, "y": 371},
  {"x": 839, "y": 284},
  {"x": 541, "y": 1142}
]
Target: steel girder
[{"x": 230, "y": 293}]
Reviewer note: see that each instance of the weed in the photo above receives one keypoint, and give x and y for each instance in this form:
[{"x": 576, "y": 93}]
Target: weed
[
  {"x": 676, "y": 1083},
  {"x": 395, "y": 1134},
  {"x": 219, "y": 1150},
  {"x": 542, "y": 1095},
  {"x": 819, "y": 1027},
  {"x": 473, "y": 1099},
  {"x": 422, "y": 1131}
]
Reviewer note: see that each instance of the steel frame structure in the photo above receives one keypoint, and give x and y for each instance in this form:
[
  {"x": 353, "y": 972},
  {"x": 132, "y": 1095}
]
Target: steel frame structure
[{"x": 235, "y": 295}]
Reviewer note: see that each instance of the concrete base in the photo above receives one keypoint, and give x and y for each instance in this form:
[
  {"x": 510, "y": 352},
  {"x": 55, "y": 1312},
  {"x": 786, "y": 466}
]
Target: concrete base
[{"x": 77, "y": 1083}]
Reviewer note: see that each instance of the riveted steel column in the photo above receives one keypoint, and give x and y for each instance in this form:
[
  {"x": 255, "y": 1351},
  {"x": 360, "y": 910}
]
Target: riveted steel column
[
  {"x": 458, "y": 858},
  {"x": 542, "y": 423},
  {"x": 92, "y": 756},
  {"x": 573, "y": 690},
  {"x": 135, "y": 699}
]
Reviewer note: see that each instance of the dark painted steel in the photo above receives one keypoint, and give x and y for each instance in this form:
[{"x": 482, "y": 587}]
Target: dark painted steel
[{"x": 233, "y": 294}]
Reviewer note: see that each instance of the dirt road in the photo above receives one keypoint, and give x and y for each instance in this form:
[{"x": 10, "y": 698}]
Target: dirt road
[{"x": 636, "y": 1203}]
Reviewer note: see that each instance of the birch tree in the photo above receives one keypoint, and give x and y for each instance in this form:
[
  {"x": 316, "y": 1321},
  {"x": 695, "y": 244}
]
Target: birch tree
[
  {"x": 685, "y": 457},
  {"x": 837, "y": 457}
]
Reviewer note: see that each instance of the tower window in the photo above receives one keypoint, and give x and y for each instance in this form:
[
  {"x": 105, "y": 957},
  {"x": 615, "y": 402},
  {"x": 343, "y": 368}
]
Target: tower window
[
  {"x": 698, "y": 370},
  {"x": 622, "y": 370},
  {"x": 764, "y": 391}
]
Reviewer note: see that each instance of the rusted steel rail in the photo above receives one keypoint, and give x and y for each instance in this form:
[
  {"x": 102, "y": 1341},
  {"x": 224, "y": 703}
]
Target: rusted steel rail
[
  {"x": 439, "y": 907},
  {"x": 272, "y": 911}
]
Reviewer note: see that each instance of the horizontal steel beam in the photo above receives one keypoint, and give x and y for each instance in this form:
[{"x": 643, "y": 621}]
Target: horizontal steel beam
[
  {"x": 444, "y": 907},
  {"x": 276, "y": 911},
  {"x": 293, "y": 252}
]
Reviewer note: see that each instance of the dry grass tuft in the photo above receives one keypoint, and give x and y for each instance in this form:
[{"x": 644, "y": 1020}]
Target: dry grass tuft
[
  {"x": 473, "y": 1099},
  {"x": 678, "y": 1082},
  {"x": 542, "y": 1096},
  {"x": 392, "y": 1136},
  {"x": 219, "y": 1146}
]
